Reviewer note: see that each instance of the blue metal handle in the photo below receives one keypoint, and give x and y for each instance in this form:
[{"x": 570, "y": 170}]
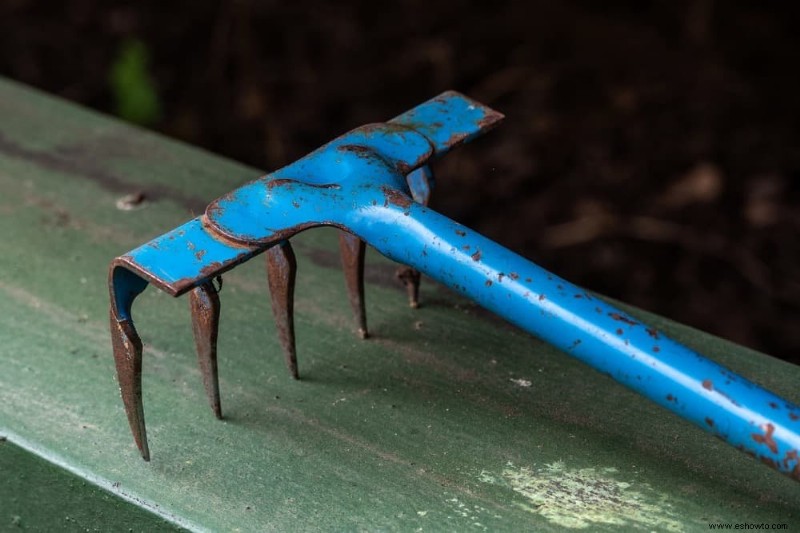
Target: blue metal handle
[{"x": 711, "y": 396}]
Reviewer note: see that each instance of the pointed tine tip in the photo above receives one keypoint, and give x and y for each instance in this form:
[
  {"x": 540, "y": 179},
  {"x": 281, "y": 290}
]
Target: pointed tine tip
[
  {"x": 362, "y": 331},
  {"x": 140, "y": 436},
  {"x": 290, "y": 355},
  {"x": 411, "y": 279}
]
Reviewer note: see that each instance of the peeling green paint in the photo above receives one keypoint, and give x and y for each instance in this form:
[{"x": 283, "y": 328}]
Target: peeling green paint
[{"x": 581, "y": 498}]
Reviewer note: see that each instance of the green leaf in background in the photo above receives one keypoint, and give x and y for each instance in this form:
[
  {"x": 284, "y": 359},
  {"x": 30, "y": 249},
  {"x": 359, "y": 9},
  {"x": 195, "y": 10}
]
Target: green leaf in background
[{"x": 135, "y": 97}]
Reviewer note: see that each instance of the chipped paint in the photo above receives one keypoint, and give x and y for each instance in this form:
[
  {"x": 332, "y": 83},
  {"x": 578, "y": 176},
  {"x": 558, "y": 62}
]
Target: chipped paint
[{"x": 586, "y": 497}]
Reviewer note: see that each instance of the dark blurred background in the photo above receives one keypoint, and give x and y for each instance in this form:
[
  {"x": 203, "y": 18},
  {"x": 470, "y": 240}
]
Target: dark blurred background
[{"x": 651, "y": 150}]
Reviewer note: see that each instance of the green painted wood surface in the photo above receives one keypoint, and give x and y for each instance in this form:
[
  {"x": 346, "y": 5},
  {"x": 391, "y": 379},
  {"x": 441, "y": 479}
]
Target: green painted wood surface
[
  {"x": 446, "y": 419},
  {"x": 39, "y": 496}
]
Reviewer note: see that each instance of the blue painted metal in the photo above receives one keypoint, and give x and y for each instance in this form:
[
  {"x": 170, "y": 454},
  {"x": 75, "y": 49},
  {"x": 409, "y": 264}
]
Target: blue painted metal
[{"x": 373, "y": 182}]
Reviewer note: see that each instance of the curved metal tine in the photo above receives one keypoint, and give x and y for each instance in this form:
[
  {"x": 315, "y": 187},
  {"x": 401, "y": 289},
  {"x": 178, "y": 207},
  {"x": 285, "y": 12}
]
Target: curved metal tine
[
  {"x": 281, "y": 274},
  {"x": 353, "y": 250},
  {"x": 205, "y": 308},
  {"x": 128, "y": 360},
  {"x": 420, "y": 182},
  {"x": 124, "y": 287}
]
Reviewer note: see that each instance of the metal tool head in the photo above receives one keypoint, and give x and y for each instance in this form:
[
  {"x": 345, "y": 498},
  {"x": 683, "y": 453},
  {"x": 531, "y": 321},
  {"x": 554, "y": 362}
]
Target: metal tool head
[{"x": 339, "y": 184}]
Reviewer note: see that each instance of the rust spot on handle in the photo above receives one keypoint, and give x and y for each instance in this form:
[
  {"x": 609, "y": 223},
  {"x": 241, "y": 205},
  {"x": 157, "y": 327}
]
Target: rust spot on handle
[
  {"x": 622, "y": 318},
  {"x": 395, "y": 197},
  {"x": 766, "y": 438}
]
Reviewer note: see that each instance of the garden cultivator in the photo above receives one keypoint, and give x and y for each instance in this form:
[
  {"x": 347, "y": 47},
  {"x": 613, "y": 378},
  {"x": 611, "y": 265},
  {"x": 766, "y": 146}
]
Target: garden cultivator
[{"x": 373, "y": 183}]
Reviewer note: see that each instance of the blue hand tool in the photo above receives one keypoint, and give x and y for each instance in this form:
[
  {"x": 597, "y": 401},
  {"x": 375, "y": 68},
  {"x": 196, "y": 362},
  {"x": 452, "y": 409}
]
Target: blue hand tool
[{"x": 373, "y": 183}]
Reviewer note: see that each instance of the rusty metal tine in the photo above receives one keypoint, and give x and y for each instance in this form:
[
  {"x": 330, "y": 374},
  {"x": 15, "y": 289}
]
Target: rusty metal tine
[
  {"x": 420, "y": 184},
  {"x": 353, "y": 251},
  {"x": 281, "y": 274},
  {"x": 410, "y": 278},
  {"x": 128, "y": 360},
  {"x": 205, "y": 307}
]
